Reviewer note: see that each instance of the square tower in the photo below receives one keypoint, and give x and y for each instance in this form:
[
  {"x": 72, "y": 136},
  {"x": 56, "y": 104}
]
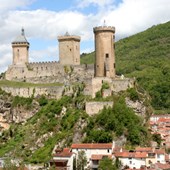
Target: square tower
[
  {"x": 20, "y": 48},
  {"x": 69, "y": 49}
]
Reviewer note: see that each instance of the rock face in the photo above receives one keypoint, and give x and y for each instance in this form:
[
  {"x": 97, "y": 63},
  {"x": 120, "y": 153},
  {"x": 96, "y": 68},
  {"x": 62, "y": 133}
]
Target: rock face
[
  {"x": 137, "y": 106},
  {"x": 9, "y": 114}
]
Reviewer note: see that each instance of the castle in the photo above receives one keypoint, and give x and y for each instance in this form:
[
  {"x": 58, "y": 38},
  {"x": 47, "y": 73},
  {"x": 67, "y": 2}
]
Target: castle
[{"x": 68, "y": 68}]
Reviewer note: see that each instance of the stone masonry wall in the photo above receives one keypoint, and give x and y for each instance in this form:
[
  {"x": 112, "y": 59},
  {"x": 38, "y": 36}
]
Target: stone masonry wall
[
  {"x": 116, "y": 85},
  {"x": 94, "y": 107},
  {"x": 49, "y": 72},
  {"x": 51, "y": 92}
]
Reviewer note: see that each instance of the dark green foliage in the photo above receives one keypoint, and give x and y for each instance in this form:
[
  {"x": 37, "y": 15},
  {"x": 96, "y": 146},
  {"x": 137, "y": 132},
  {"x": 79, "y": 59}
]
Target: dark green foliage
[
  {"x": 157, "y": 138},
  {"x": 69, "y": 119},
  {"x": 105, "y": 85},
  {"x": 22, "y": 101},
  {"x": 43, "y": 100},
  {"x": 133, "y": 95},
  {"x": 87, "y": 58},
  {"x": 106, "y": 164},
  {"x": 81, "y": 160},
  {"x": 98, "y": 136}
]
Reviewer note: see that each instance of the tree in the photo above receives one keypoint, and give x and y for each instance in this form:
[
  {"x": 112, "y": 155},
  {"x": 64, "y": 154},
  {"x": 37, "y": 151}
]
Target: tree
[
  {"x": 157, "y": 138},
  {"x": 106, "y": 164},
  {"x": 81, "y": 160}
]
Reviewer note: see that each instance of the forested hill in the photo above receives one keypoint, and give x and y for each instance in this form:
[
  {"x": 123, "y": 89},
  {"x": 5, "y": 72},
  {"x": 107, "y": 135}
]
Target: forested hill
[{"x": 146, "y": 56}]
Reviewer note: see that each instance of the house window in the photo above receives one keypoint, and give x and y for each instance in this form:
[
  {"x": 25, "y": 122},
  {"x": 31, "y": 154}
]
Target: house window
[
  {"x": 107, "y": 55},
  {"x": 130, "y": 162},
  {"x": 108, "y": 150}
]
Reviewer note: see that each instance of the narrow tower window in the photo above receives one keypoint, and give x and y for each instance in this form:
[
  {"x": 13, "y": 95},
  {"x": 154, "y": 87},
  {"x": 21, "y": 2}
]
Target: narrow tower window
[{"x": 107, "y": 55}]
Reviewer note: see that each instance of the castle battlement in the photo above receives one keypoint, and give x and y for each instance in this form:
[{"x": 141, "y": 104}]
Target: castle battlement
[
  {"x": 69, "y": 38},
  {"x": 103, "y": 29},
  {"x": 44, "y": 62}
]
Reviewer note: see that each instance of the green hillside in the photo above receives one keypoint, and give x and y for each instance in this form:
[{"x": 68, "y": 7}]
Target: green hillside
[
  {"x": 34, "y": 140},
  {"x": 146, "y": 56}
]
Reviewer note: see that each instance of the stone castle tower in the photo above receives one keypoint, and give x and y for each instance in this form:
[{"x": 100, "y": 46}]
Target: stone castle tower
[
  {"x": 105, "y": 55},
  {"x": 20, "y": 48},
  {"x": 69, "y": 49}
]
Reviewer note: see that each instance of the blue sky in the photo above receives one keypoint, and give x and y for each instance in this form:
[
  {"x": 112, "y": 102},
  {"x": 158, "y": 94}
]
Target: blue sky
[{"x": 44, "y": 20}]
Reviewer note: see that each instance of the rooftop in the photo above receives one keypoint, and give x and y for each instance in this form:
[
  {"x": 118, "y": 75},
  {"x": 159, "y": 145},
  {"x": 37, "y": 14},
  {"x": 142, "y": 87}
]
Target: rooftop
[
  {"x": 21, "y": 38},
  {"x": 92, "y": 146}
]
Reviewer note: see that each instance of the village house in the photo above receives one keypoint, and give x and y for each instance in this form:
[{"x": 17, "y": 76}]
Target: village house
[
  {"x": 147, "y": 157},
  {"x": 63, "y": 159},
  {"x": 94, "y": 152},
  {"x": 160, "y": 124},
  {"x": 141, "y": 157}
]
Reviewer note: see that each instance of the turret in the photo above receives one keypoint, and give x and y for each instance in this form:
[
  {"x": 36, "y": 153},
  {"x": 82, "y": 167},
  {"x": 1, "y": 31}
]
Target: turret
[
  {"x": 105, "y": 54},
  {"x": 69, "y": 49},
  {"x": 20, "y": 48}
]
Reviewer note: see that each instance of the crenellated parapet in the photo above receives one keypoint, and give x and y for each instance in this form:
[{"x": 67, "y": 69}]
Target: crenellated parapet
[
  {"x": 104, "y": 29},
  {"x": 69, "y": 38},
  {"x": 46, "y": 63}
]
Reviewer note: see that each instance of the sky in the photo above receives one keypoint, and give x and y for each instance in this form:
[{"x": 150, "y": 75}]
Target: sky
[{"x": 45, "y": 20}]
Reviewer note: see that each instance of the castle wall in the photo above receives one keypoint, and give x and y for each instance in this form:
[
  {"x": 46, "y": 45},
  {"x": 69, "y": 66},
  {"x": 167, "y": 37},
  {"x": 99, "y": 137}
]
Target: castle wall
[
  {"x": 94, "y": 107},
  {"x": 51, "y": 92},
  {"x": 116, "y": 85},
  {"x": 49, "y": 72}
]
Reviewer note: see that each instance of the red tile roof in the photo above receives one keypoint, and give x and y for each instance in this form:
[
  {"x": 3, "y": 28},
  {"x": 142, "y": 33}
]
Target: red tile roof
[
  {"x": 99, "y": 157},
  {"x": 144, "y": 149},
  {"x": 159, "y": 151},
  {"x": 92, "y": 146},
  {"x": 64, "y": 153},
  {"x": 131, "y": 154},
  {"x": 163, "y": 166}
]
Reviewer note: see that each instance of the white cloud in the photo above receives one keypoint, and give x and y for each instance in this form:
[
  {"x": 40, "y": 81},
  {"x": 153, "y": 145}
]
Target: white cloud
[
  {"x": 8, "y": 4},
  {"x": 129, "y": 17},
  {"x": 133, "y": 16},
  {"x": 100, "y": 3},
  {"x": 47, "y": 54}
]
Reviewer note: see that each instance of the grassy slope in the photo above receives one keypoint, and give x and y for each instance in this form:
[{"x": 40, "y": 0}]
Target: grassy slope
[
  {"x": 50, "y": 126},
  {"x": 146, "y": 56}
]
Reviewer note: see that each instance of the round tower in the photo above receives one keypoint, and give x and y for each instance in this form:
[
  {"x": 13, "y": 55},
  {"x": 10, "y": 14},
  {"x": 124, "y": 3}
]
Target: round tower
[
  {"x": 20, "y": 48},
  {"x": 69, "y": 49},
  {"x": 105, "y": 55}
]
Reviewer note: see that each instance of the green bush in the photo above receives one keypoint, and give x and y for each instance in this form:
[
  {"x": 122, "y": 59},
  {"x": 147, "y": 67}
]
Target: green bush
[
  {"x": 133, "y": 95},
  {"x": 42, "y": 100},
  {"x": 22, "y": 101}
]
